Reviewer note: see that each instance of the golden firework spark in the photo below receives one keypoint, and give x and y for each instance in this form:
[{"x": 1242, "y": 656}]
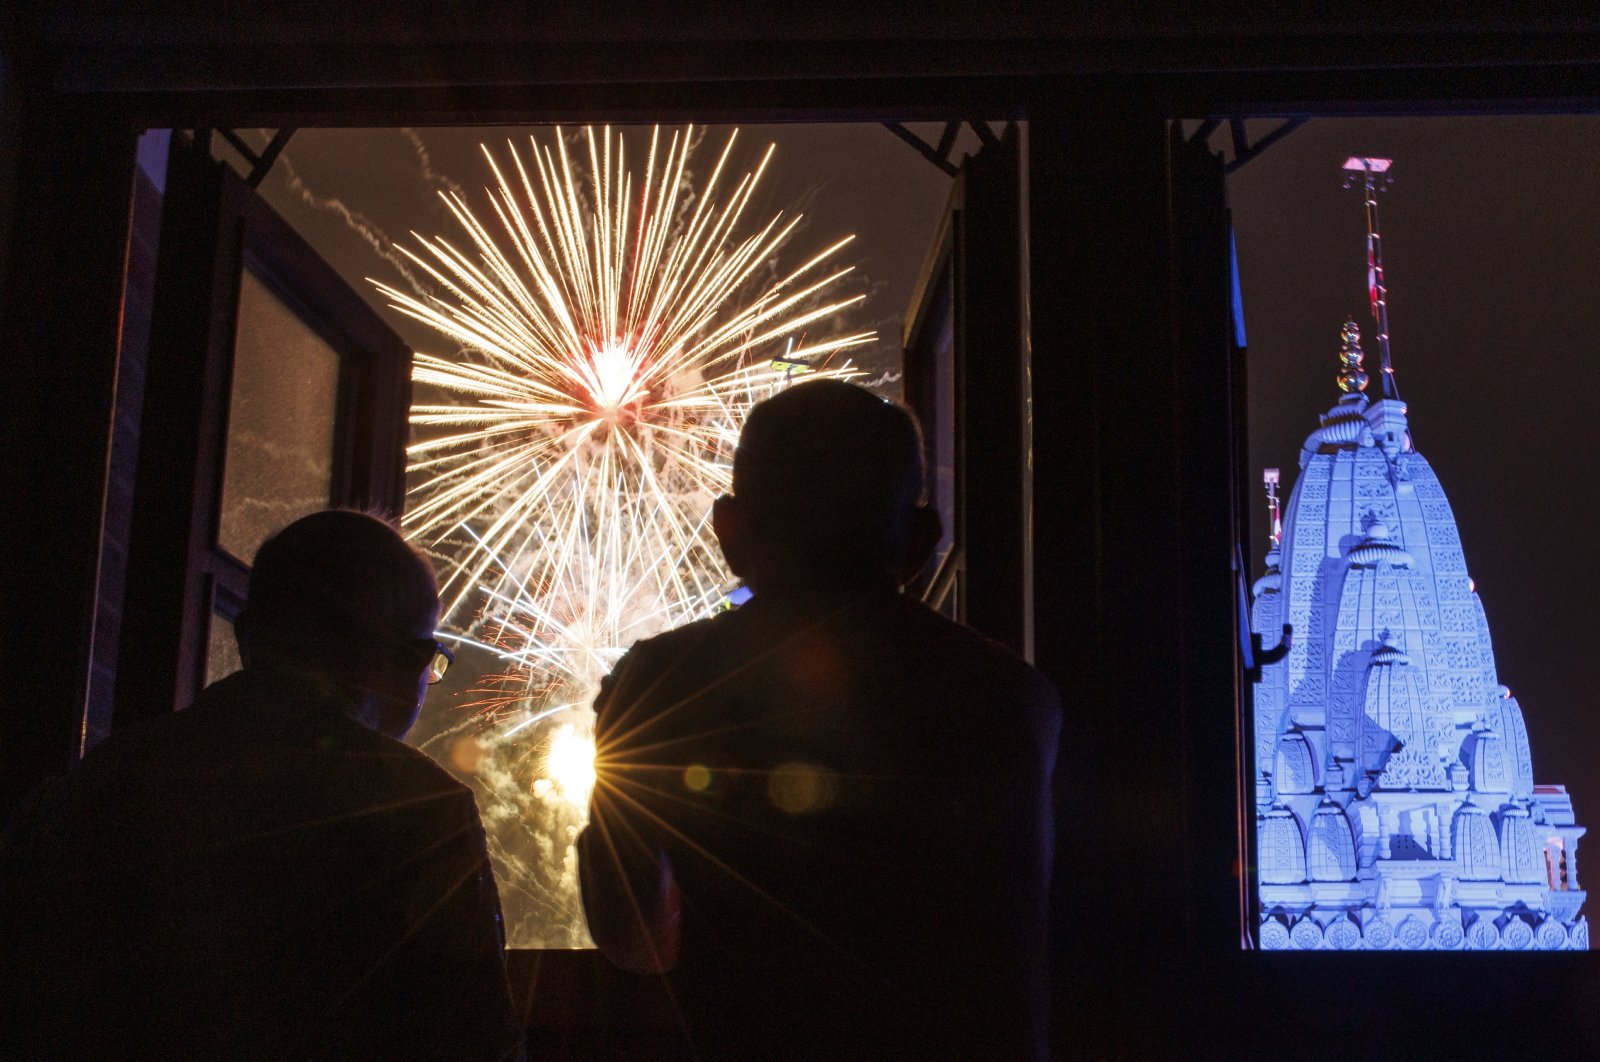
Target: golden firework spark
[{"x": 615, "y": 328}]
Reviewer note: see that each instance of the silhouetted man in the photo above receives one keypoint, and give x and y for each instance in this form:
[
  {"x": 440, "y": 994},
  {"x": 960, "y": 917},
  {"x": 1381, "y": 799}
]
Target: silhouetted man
[
  {"x": 269, "y": 872},
  {"x": 827, "y": 813}
]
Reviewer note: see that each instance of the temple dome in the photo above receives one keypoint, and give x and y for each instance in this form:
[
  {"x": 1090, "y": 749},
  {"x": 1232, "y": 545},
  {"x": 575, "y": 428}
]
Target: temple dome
[
  {"x": 1521, "y": 850},
  {"x": 1384, "y": 737},
  {"x": 1282, "y": 850}
]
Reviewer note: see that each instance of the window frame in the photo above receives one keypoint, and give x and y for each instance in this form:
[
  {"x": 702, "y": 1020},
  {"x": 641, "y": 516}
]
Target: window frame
[{"x": 175, "y": 561}]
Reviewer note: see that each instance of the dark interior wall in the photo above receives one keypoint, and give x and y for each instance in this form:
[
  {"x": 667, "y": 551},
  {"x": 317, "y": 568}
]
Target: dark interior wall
[
  {"x": 1234, "y": 51},
  {"x": 929, "y": 37},
  {"x": 603, "y": 21},
  {"x": 60, "y": 325}
]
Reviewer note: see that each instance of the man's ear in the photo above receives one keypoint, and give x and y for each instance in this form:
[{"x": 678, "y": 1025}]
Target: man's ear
[
  {"x": 921, "y": 542},
  {"x": 731, "y": 522}
]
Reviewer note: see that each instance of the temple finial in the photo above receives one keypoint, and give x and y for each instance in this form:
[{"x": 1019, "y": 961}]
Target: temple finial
[
  {"x": 1377, "y": 292},
  {"x": 1351, "y": 378}
]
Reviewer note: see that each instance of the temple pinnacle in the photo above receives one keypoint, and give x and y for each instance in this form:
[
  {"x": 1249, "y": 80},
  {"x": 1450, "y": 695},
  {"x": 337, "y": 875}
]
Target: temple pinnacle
[
  {"x": 1351, "y": 378},
  {"x": 1377, "y": 290}
]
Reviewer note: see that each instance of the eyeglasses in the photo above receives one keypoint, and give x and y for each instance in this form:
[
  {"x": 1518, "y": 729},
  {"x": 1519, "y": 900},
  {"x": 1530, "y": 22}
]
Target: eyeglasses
[{"x": 439, "y": 657}]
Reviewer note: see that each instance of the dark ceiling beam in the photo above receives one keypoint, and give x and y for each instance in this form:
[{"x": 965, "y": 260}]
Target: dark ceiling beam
[
  {"x": 672, "y": 27},
  {"x": 87, "y": 65},
  {"x": 269, "y": 155},
  {"x": 923, "y": 148},
  {"x": 1259, "y": 95},
  {"x": 1205, "y": 130},
  {"x": 1252, "y": 151},
  {"x": 260, "y": 162},
  {"x": 1240, "y": 138}
]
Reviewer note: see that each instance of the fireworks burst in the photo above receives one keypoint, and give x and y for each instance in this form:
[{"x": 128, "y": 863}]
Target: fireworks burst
[{"x": 615, "y": 329}]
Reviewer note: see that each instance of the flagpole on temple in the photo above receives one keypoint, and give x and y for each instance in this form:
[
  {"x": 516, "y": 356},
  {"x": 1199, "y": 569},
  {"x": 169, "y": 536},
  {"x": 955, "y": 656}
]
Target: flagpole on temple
[{"x": 1377, "y": 292}]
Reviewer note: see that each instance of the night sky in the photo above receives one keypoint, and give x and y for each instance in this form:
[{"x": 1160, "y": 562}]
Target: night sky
[
  {"x": 1492, "y": 252},
  {"x": 1491, "y": 229}
]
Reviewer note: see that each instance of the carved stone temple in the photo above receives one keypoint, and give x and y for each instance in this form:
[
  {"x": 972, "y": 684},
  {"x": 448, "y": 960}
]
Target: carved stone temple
[{"x": 1396, "y": 806}]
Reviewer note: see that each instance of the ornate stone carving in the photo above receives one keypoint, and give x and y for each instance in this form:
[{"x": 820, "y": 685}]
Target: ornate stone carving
[
  {"x": 1306, "y": 934},
  {"x": 1412, "y": 934},
  {"x": 1551, "y": 935},
  {"x": 1371, "y": 770},
  {"x": 1342, "y": 934},
  {"x": 1483, "y": 935},
  {"x": 1274, "y": 935},
  {"x": 1515, "y": 934},
  {"x": 1281, "y": 848}
]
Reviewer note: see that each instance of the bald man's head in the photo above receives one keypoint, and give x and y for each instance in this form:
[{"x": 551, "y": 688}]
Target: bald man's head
[
  {"x": 342, "y": 594},
  {"x": 827, "y": 481}
]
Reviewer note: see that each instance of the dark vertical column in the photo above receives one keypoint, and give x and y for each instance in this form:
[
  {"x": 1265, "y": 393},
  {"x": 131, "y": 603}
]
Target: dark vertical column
[
  {"x": 993, "y": 396},
  {"x": 1108, "y": 534},
  {"x": 1210, "y": 448},
  {"x": 1136, "y": 443},
  {"x": 70, "y": 173}
]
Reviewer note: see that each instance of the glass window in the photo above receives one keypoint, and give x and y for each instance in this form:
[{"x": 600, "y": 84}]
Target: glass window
[
  {"x": 279, "y": 463},
  {"x": 222, "y": 652}
]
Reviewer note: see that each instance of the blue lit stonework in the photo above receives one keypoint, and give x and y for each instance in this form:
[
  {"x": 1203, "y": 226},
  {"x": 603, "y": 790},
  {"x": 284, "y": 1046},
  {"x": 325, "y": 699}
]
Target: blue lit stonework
[{"x": 1395, "y": 798}]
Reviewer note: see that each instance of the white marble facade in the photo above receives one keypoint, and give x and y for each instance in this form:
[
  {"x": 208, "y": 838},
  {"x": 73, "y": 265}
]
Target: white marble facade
[{"x": 1395, "y": 796}]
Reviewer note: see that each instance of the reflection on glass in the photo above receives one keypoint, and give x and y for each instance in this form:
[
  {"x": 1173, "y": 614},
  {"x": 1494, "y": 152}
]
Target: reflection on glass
[
  {"x": 222, "y": 652},
  {"x": 279, "y": 463}
]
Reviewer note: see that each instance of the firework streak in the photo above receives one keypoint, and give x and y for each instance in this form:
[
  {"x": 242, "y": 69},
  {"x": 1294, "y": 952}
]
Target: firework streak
[{"x": 614, "y": 329}]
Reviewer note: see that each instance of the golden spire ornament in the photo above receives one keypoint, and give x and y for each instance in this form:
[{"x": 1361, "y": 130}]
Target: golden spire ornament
[{"x": 1351, "y": 378}]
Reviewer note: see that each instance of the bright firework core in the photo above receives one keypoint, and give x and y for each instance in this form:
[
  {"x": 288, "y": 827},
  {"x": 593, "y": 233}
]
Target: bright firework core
[
  {"x": 611, "y": 382},
  {"x": 570, "y": 765},
  {"x": 612, "y": 324}
]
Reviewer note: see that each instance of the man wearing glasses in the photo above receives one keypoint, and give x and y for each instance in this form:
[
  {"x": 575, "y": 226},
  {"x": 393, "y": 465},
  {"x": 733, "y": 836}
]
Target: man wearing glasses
[{"x": 268, "y": 872}]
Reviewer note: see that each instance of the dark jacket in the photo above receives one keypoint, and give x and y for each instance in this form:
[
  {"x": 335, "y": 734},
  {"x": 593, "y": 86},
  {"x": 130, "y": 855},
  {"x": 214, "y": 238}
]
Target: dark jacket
[
  {"x": 257, "y": 876},
  {"x": 854, "y": 798}
]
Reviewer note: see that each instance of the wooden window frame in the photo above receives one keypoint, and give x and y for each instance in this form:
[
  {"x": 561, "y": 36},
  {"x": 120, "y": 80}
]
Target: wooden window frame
[{"x": 176, "y": 567}]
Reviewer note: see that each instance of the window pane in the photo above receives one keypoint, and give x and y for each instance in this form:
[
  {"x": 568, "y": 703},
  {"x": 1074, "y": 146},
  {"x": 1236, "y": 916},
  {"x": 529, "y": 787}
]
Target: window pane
[
  {"x": 222, "y": 652},
  {"x": 280, "y": 421}
]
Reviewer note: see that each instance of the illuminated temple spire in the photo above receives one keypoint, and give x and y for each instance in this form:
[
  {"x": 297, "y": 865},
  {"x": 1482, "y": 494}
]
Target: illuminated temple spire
[
  {"x": 1394, "y": 785},
  {"x": 1377, "y": 291}
]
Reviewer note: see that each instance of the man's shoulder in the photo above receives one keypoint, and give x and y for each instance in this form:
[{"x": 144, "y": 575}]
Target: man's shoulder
[
  {"x": 271, "y": 727},
  {"x": 711, "y": 635},
  {"x": 890, "y": 625},
  {"x": 954, "y": 647},
  {"x": 649, "y": 660}
]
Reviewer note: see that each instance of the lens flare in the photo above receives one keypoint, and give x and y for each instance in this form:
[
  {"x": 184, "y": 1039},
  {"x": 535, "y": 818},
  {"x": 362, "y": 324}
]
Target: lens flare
[
  {"x": 614, "y": 325},
  {"x": 570, "y": 764}
]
